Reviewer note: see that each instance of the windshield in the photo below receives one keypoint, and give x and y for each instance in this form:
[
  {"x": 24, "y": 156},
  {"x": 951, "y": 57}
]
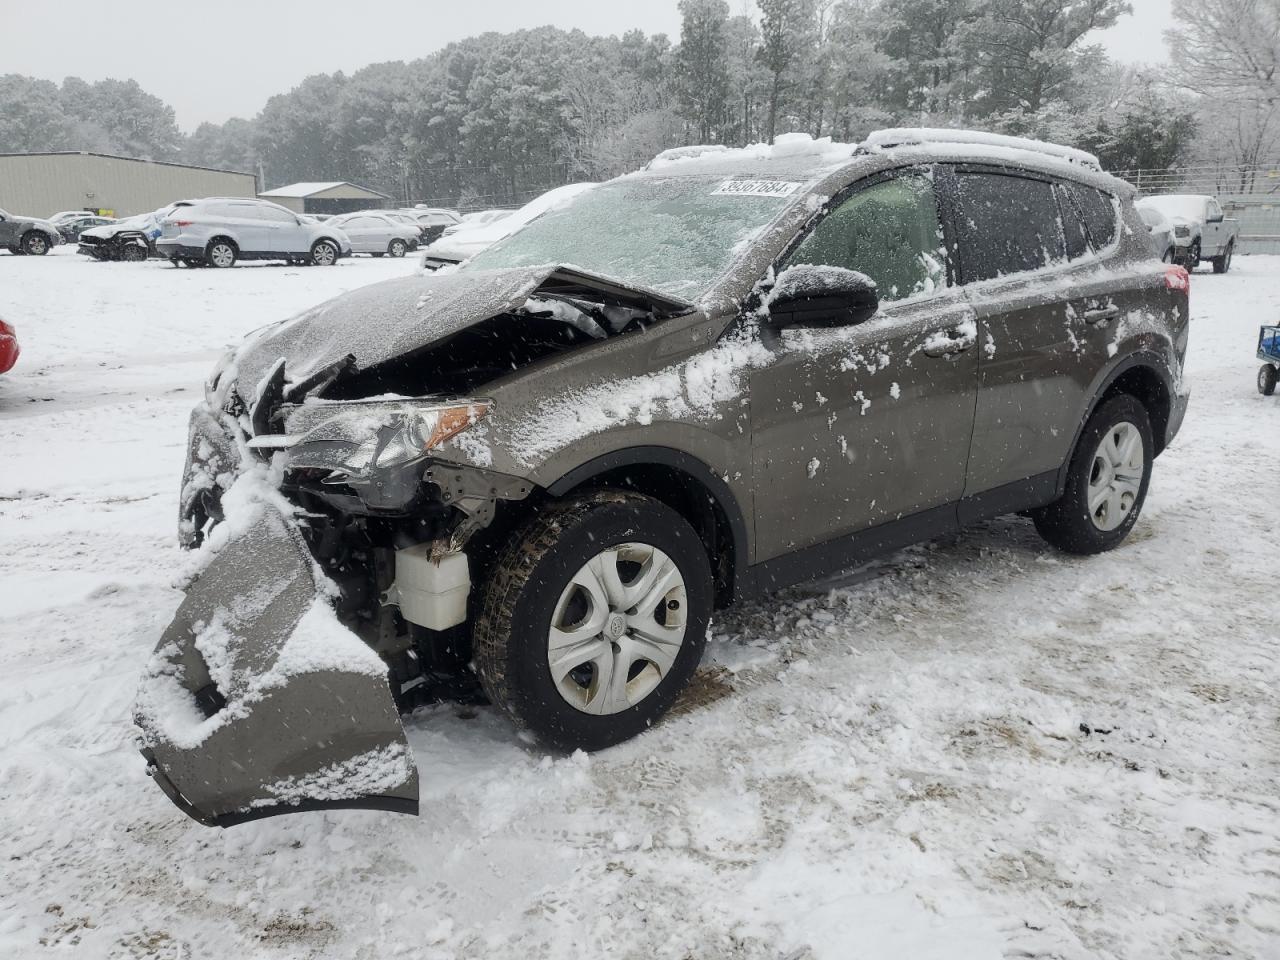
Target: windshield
[
  {"x": 1186, "y": 207},
  {"x": 671, "y": 234}
]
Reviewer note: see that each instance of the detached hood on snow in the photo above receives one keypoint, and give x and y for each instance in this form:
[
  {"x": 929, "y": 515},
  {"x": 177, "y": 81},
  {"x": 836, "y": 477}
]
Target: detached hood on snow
[{"x": 396, "y": 317}]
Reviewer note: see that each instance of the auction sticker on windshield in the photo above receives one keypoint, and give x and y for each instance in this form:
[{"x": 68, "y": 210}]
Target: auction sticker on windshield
[{"x": 757, "y": 188}]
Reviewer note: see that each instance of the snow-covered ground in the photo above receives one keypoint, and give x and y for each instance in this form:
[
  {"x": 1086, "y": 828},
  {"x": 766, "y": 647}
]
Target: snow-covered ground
[{"x": 978, "y": 749}]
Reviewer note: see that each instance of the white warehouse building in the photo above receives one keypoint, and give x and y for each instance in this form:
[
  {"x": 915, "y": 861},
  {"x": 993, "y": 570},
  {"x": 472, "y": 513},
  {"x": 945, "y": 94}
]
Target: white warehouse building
[{"x": 41, "y": 184}]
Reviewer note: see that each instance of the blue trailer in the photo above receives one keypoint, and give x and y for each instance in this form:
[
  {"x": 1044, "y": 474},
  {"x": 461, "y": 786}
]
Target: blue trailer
[{"x": 1269, "y": 354}]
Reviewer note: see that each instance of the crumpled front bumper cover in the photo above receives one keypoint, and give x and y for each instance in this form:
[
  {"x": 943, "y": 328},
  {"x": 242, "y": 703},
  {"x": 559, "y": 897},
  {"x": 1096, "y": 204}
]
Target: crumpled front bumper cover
[{"x": 303, "y": 717}]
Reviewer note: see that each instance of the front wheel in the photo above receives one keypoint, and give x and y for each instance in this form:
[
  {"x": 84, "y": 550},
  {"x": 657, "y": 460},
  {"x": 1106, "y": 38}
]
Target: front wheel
[
  {"x": 1107, "y": 480},
  {"x": 1267, "y": 377},
  {"x": 1168, "y": 256},
  {"x": 1193, "y": 256},
  {"x": 396, "y": 248},
  {"x": 1223, "y": 263},
  {"x": 324, "y": 254},
  {"x": 594, "y": 619},
  {"x": 35, "y": 244},
  {"x": 133, "y": 253}
]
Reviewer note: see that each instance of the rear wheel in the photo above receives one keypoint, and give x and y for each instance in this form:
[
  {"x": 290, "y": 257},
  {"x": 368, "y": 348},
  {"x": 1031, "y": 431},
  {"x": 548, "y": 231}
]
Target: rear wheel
[
  {"x": 35, "y": 243},
  {"x": 1267, "y": 377},
  {"x": 1107, "y": 480},
  {"x": 396, "y": 248},
  {"x": 594, "y": 619},
  {"x": 1223, "y": 263},
  {"x": 220, "y": 253},
  {"x": 324, "y": 254}
]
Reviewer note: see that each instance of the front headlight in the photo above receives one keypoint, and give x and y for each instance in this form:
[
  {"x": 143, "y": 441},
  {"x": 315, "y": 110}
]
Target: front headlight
[{"x": 410, "y": 435}]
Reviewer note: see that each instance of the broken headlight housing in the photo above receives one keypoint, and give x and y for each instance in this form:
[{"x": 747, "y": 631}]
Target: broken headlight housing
[{"x": 410, "y": 434}]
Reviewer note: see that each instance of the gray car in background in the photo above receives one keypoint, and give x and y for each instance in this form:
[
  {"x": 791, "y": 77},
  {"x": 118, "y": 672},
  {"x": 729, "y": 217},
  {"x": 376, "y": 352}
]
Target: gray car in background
[
  {"x": 27, "y": 235},
  {"x": 733, "y": 371},
  {"x": 377, "y": 233}
]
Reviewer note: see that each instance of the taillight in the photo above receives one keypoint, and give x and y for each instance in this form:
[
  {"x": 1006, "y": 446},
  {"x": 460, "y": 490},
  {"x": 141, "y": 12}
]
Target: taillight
[
  {"x": 1177, "y": 278},
  {"x": 182, "y": 223}
]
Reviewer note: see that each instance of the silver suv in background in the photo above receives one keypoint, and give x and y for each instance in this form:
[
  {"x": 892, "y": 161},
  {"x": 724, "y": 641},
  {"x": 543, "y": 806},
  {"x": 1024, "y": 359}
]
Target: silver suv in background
[{"x": 218, "y": 231}]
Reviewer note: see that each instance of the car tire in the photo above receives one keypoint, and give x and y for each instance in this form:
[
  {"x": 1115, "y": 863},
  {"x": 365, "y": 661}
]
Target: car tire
[
  {"x": 1267, "y": 377},
  {"x": 1103, "y": 497},
  {"x": 324, "y": 254},
  {"x": 35, "y": 243},
  {"x": 397, "y": 248},
  {"x": 17, "y": 251},
  {"x": 1193, "y": 256},
  {"x": 541, "y": 588},
  {"x": 1168, "y": 256},
  {"x": 221, "y": 253},
  {"x": 1223, "y": 263},
  {"x": 133, "y": 253}
]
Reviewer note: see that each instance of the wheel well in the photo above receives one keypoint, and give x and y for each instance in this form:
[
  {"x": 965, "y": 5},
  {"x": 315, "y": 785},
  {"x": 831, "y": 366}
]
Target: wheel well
[
  {"x": 212, "y": 240},
  {"x": 688, "y": 496},
  {"x": 1149, "y": 388}
]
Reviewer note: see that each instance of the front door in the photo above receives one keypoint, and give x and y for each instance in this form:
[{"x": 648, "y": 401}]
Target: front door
[{"x": 858, "y": 426}]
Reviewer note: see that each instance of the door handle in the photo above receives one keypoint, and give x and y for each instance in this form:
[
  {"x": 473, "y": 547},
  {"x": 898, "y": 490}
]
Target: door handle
[
  {"x": 948, "y": 343},
  {"x": 1101, "y": 314}
]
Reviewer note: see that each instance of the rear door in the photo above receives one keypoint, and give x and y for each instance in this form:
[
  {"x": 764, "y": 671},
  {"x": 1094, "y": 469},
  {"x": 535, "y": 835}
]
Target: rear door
[
  {"x": 857, "y": 426},
  {"x": 1044, "y": 306},
  {"x": 244, "y": 221}
]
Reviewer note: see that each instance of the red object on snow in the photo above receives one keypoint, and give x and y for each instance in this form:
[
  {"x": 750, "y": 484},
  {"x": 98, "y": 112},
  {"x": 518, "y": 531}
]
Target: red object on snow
[{"x": 8, "y": 346}]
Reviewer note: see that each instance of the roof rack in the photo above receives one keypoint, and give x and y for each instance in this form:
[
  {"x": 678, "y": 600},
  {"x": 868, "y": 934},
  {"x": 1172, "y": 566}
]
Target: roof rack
[{"x": 915, "y": 136}]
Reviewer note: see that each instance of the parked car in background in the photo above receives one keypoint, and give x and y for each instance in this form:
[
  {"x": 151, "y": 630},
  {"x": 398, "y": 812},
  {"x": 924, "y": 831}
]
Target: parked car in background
[
  {"x": 218, "y": 231},
  {"x": 1200, "y": 229},
  {"x": 131, "y": 239},
  {"x": 27, "y": 235},
  {"x": 8, "y": 346},
  {"x": 1160, "y": 229},
  {"x": 378, "y": 234},
  {"x": 761, "y": 367},
  {"x": 435, "y": 219},
  {"x": 466, "y": 242},
  {"x": 477, "y": 219},
  {"x": 71, "y": 227}
]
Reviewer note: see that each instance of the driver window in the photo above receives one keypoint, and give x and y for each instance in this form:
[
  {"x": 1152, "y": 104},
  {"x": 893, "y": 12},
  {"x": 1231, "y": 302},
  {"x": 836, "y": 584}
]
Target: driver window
[{"x": 890, "y": 232}]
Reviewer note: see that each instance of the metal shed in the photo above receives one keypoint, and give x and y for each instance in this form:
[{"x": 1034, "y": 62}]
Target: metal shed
[
  {"x": 337, "y": 196},
  {"x": 41, "y": 184}
]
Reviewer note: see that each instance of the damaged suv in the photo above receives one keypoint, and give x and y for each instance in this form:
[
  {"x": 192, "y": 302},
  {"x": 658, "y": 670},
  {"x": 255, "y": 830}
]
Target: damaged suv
[{"x": 544, "y": 470}]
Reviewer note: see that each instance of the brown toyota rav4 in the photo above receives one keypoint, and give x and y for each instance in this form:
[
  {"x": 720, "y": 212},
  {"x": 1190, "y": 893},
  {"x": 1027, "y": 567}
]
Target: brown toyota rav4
[{"x": 539, "y": 474}]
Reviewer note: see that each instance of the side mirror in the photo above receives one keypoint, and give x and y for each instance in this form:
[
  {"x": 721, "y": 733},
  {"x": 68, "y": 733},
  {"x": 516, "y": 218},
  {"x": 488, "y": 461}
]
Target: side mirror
[
  {"x": 819, "y": 296},
  {"x": 1215, "y": 218}
]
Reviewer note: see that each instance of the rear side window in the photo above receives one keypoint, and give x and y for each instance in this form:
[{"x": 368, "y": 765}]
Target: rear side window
[
  {"x": 1006, "y": 224},
  {"x": 1072, "y": 225},
  {"x": 1099, "y": 210}
]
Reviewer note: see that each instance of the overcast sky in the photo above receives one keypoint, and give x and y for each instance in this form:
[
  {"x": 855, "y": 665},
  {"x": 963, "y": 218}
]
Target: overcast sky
[{"x": 211, "y": 62}]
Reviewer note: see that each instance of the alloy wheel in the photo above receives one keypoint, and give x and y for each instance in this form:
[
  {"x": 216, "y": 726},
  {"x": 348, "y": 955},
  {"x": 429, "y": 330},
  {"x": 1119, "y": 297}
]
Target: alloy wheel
[
  {"x": 617, "y": 628},
  {"x": 1115, "y": 477},
  {"x": 323, "y": 255},
  {"x": 222, "y": 255}
]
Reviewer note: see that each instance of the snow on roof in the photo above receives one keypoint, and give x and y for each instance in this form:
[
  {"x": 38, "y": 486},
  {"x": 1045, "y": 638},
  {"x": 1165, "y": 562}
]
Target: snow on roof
[
  {"x": 311, "y": 189},
  {"x": 796, "y": 154}
]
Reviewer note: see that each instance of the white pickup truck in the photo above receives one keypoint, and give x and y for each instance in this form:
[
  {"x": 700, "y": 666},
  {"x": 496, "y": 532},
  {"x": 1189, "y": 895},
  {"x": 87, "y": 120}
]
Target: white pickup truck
[{"x": 1200, "y": 230}]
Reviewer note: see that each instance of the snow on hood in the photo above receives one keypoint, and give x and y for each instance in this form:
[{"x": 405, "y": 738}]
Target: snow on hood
[{"x": 395, "y": 317}]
